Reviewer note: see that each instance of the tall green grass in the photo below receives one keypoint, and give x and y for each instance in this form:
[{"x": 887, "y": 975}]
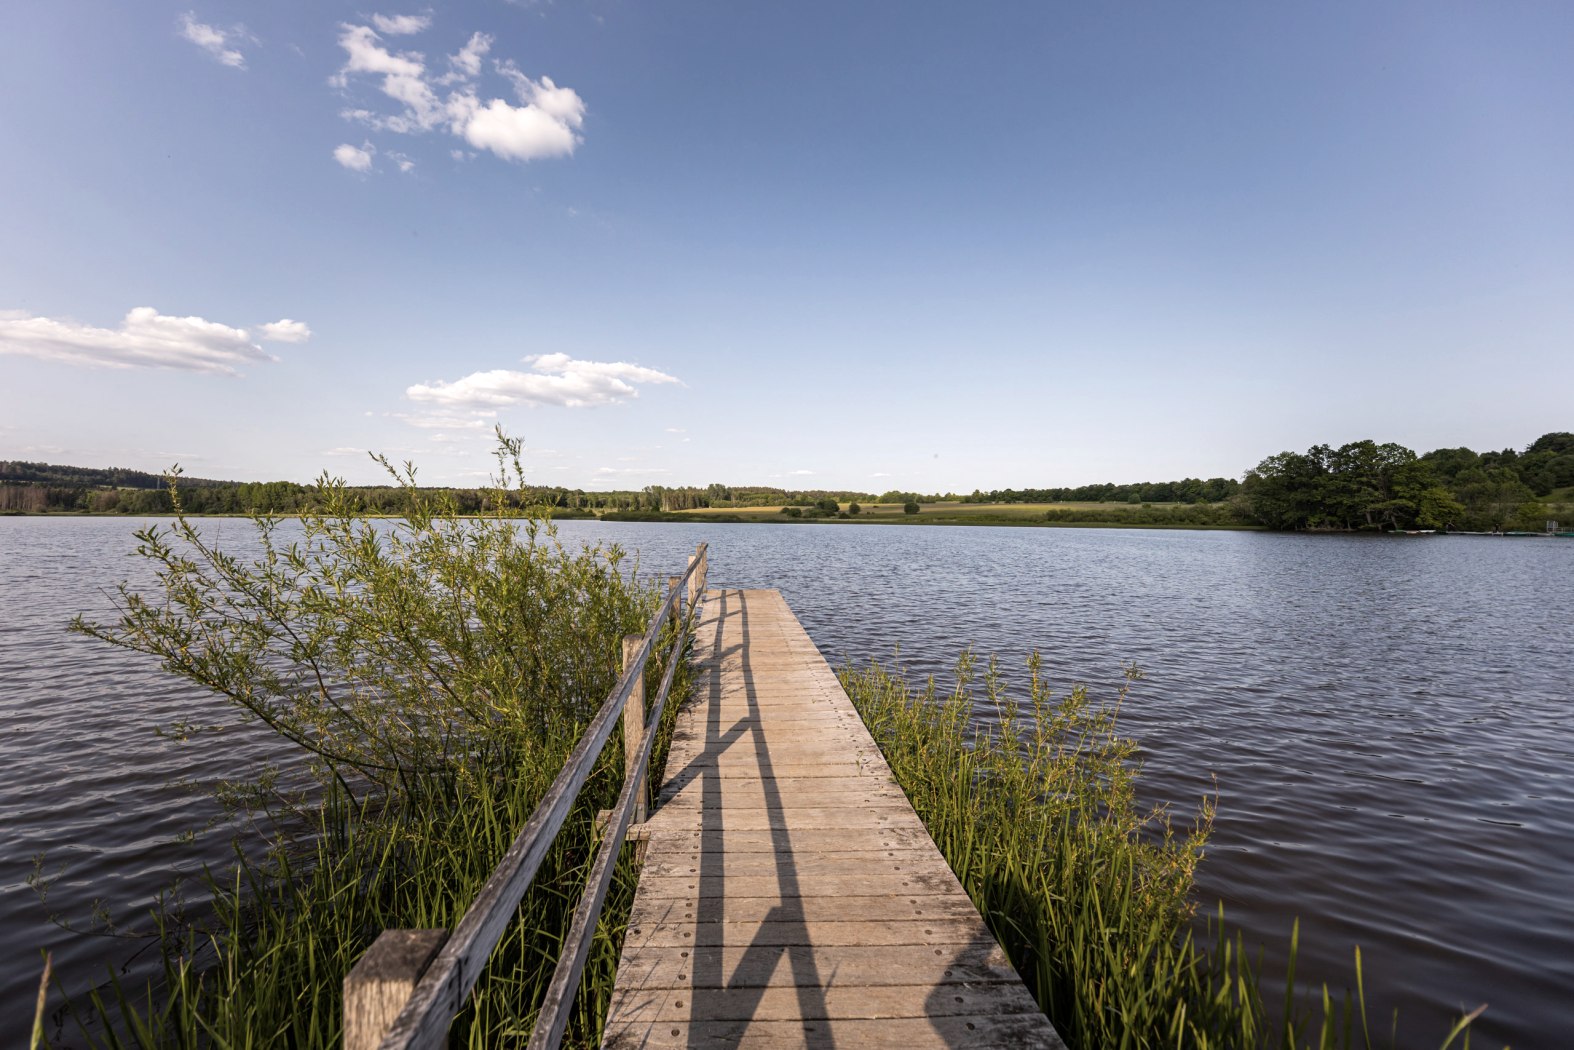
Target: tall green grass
[
  {"x": 267, "y": 969},
  {"x": 433, "y": 674},
  {"x": 1033, "y": 803}
]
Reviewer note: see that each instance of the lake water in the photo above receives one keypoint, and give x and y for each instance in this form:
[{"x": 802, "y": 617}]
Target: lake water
[{"x": 1387, "y": 721}]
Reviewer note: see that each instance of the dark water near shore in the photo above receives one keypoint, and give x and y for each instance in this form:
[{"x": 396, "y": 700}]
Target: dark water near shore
[{"x": 1388, "y": 720}]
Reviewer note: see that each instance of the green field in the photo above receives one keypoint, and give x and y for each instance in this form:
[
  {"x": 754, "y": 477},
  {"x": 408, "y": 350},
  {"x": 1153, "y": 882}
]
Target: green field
[{"x": 1106, "y": 514}]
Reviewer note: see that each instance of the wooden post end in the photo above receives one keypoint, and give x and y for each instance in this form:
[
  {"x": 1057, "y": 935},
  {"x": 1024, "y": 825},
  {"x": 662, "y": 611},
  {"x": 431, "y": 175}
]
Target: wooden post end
[
  {"x": 634, "y": 724},
  {"x": 379, "y": 985}
]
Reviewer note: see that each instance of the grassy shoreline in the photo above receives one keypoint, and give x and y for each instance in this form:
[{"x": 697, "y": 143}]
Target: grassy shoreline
[{"x": 1089, "y": 894}]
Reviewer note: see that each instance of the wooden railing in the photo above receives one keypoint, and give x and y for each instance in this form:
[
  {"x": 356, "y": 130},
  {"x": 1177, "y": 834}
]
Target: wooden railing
[{"x": 404, "y": 992}]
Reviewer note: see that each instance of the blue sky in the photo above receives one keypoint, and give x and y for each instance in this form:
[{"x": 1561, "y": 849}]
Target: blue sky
[{"x": 870, "y": 246}]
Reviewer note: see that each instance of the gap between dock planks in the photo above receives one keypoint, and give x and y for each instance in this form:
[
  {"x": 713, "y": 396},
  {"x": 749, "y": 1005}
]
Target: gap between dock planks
[{"x": 790, "y": 895}]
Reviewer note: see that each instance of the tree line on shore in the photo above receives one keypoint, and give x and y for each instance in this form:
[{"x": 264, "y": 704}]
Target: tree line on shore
[
  {"x": 1367, "y": 486},
  {"x": 1362, "y": 485}
]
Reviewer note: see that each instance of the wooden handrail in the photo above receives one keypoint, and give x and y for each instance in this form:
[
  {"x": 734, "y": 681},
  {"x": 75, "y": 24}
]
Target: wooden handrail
[
  {"x": 553, "y": 1018},
  {"x": 440, "y": 991}
]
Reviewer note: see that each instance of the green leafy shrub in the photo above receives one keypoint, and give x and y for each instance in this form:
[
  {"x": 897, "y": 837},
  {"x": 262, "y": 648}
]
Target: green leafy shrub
[{"x": 433, "y": 673}]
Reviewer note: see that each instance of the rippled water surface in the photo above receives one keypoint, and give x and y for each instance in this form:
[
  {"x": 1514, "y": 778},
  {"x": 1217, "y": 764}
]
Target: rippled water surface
[{"x": 1387, "y": 720}]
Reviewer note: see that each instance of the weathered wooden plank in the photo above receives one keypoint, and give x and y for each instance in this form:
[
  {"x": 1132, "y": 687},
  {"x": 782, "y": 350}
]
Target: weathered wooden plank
[
  {"x": 782, "y": 751},
  {"x": 983, "y": 1030},
  {"x": 870, "y": 864},
  {"x": 734, "y": 841},
  {"x": 874, "y": 817},
  {"x": 902, "y": 931},
  {"x": 751, "y": 770},
  {"x": 853, "y": 784},
  {"x": 811, "y": 884},
  {"x": 728, "y": 794},
  {"x": 738, "y": 722},
  {"x": 688, "y": 911},
  {"x": 895, "y": 1001},
  {"x": 786, "y": 966},
  {"x": 777, "y": 759}
]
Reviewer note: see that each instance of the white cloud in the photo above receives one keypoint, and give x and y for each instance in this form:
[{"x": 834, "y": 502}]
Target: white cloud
[
  {"x": 544, "y": 123},
  {"x": 145, "y": 339},
  {"x": 405, "y": 164},
  {"x": 676, "y": 430},
  {"x": 403, "y": 81},
  {"x": 285, "y": 331},
  {"x": 219, "y": 43},
  {"x": 343, "y": 450},
  {"x": 353, "y": 157},
  {"x": 557, "y": 379},
  {"x": 513, "y": 132},
  {"x": 799, "y": 473},
  {"x": 401, "y": 25},
  {"x": 879, "y": 474},
  {"x": 466, "y": 62}
]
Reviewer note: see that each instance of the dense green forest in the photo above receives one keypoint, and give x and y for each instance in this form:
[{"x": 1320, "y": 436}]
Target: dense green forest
[
  {"x": 1359, "y": 486},
  {"x": 1187, "y": 490},
  {"x": 1364, "y": 485},
  {"x": 44, "y": 487}
]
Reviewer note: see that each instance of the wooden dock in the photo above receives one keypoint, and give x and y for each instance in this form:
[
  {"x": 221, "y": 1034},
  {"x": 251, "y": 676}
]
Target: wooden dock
[{"x": 790, "y": 895}]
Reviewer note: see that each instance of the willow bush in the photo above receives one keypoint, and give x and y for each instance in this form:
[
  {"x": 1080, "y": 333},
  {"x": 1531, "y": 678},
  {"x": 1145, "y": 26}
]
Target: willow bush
[
  {"x": 1033, "y": 803},
  {"x": 432, "y": 674}
]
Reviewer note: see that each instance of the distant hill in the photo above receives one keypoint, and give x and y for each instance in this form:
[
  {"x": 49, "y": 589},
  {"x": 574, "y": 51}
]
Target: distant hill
[{"x": 91, "y": 477}]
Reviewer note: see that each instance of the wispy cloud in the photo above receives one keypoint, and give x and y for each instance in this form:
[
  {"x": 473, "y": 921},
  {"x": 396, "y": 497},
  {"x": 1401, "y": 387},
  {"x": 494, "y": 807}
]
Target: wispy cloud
[
  {"x": 356, "y": 158},
  {"x": 285, "y": 331},
  {"x": 542, "y": 121},
  {"x": 401, "y": 25},
  {"x": 220, "y": 44},
  {"x": 556, "y": 379},
  {"x": 145, "y": 339}
]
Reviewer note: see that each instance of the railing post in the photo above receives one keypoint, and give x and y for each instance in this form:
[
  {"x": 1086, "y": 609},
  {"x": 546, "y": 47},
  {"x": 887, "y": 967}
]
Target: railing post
[
  {"x": 382, "y": 981},
  {"x": 694, "y": 580},
  {"x": 677, "y": 603},
  {"x": 634, "y": 723}
]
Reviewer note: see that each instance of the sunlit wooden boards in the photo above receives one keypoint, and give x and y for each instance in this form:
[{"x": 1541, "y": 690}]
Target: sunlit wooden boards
[{"x": 790, "y": 896}]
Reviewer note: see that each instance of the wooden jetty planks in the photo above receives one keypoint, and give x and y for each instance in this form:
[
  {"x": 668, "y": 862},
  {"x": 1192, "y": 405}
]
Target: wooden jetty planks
[{"x": 790, "y": 896}]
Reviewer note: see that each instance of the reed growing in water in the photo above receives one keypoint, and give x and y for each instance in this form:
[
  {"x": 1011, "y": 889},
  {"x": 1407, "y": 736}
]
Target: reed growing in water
[
  {"x": 1033, "y": 803},
  {"x": 433, "y": 674}
]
